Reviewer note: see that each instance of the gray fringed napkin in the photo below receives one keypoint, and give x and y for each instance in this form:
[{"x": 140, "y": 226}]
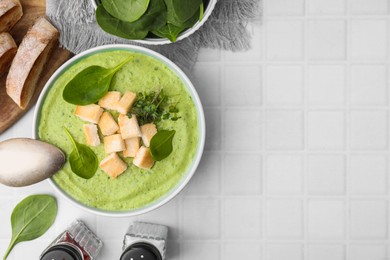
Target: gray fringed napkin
[{"x": 225, "y": 28}]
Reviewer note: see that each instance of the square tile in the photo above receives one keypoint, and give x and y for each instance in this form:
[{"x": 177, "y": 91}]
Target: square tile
[
  {"x": 7, "y": 205},
  {"x": 368, "y": 219},
  {"x": 284, "y": 252},
  {"x": 206, "y": 180},
  {"x": 30, "y": 250},
  {"x": 242, "y": 218},
  {"x": 173, "y": 250},
  {"x": 326, "y": 219},
  {"x": 326, "y": 7},
  {"x": 112, "y": 249},
  {"x": 110, "y": 230},
  {"x": 326, "y": 84},
  {"x": 284, "y": 85},
  {"x": 369, "y": 39},
  {"x": 213, "y": 129},
  {"x": 208, "y": 88},
  {"x": 200, "y": 250},
  {"x": 368, "y": 174},
  {"x": 209, "y": 55},
  {"x": 284, "y": 7},
  {"x": 239, "y": 182},
  {"x": 369, "y": 6},
  {"x": 367, "y": 252},
  {"x": 284, "y": 129},
  {"x": 369, "y": 85},
  {"x": 201, "y": 218},
  {"x": 326, "y": 130},
  {"x": 326, "y": 174},
  {"x": 235, "y": 76},
  {"x": 369, "y": 130},
  {"x": 326, "y": 252},
  {"x": 284, "y": 40},
  {"x": 237, "y": 250},
  {"x": 327, "y": 40},
  {"x": 284, "y": 219},
  {"x": 256, "y": 31},
  {"x": 284, "y": 174},
  {"x": 243, "y": 130},
  {"x": 4, "y": 245}
]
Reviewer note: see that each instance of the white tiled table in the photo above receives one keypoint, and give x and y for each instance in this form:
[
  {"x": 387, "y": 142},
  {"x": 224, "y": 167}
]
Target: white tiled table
[{"x": 297, "y": 153}]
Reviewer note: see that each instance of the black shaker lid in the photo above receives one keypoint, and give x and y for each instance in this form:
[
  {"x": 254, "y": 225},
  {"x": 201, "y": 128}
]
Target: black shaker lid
[
  {"x": 62, "y": 252},
  {"x": 141, "y": 251}
]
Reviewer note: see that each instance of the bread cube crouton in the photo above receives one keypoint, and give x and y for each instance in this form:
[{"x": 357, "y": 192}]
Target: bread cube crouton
[
  {"x": 107, "y": 124},
  {"x": 148, "y": 131},
  {"x": 132, "y": 147},
  {"x": 129, "y": 126},
  {"x": 91, "y": 134},
  {"x": 143, "y": 159},
  {"x": 90, "y": 113},
  {"x": 110, "y": 100},
  {"x": 114, "y": 143},
  {"x": 113, "y": 165},
  {"x": 126, "y": 102}
]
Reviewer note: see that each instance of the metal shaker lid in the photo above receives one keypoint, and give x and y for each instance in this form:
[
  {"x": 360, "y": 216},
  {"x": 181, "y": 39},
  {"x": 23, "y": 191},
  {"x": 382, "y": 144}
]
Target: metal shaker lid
[
  {"x": 62, "y": 252},
  {"x": 141, "y": 251}
]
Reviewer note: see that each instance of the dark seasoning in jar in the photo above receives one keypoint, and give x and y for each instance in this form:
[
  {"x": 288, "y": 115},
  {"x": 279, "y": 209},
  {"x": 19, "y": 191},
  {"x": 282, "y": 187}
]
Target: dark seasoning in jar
[{"x": 78, "y": 242}]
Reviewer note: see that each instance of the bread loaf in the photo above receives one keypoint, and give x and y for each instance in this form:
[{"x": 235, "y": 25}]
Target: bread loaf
[
  {"x": 8, "y": 49},
  {"x": 10, "y": 13},
  {"x": 30, "y": 59}
]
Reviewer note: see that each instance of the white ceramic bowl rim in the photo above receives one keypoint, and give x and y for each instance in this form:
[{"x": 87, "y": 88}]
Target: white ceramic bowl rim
[
  {"x": 183, "y": 35},
  {"x": 201, "y": 126}
]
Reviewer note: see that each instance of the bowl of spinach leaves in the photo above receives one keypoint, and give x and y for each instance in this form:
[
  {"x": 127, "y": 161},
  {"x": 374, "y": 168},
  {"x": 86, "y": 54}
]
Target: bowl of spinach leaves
[{"x": 152, "y": 22}]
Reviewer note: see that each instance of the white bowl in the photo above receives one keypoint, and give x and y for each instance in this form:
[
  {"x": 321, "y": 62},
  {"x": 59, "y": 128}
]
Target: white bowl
[
  {"x": 159, "y": 41},
  {"x": 201, "y": 127}
]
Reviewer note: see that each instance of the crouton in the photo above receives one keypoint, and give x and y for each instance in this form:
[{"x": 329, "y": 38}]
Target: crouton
[
  {"x": 129, "y": 126},
  {"x": 110, "y": 100},
  {"x": 90, "y": 113},
  {"x": 114, "y": 143},
  {"x": 113, "y": 165},
  {"x": 107, "y": 124},
  {"x": 143, "y": 159},
  {"x": 126, "y": 102},
  {"x": 132, "y": 147},
  {"x": 91, "y": 134},
  {"x": 148, "y": 131}
]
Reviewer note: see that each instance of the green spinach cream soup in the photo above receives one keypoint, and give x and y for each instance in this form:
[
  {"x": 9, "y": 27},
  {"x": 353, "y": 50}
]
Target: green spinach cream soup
[{"x": 136, "y": 187}]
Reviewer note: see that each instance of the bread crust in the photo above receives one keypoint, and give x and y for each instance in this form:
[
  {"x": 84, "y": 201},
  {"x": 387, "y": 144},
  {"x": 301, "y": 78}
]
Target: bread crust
[
  {"x": 8, "y": 50},
  {"x": 30, "y": 59},
  {"x": 10, "y": 13}
]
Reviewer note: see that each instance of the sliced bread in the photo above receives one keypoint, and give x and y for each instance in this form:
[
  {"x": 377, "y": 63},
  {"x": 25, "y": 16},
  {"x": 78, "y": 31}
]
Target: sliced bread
[
  {"x": 30, "y": 59},
  {"x": 8, "y": 50},
  {"x": 10, "y": 13}
]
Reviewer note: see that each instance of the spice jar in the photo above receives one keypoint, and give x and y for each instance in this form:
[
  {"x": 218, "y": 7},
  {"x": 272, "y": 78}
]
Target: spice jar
[
  {"x": 78, "y": 242},
  {"x": 145, "y": 241}
]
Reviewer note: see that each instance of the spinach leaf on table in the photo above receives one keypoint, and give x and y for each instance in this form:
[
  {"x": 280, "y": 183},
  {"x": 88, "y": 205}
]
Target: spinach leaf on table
[
  {"x": 126, "y": 10},
  {"x": 90, "y": 85},
  {"x": 161, "y": 144},
  {"x": 31, "y": 218},
  {"x": 154, "y": 18},
  {"x": 82, "y": 159}
]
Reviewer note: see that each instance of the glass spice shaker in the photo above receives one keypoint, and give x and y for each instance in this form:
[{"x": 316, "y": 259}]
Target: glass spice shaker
[
  {"x": 78, "y": 242},
  {"x": 145, "y": 241}
]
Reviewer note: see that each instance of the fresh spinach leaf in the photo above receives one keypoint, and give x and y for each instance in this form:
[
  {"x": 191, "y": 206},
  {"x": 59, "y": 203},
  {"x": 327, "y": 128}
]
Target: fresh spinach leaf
[
  {"x": 154, "y": 18},
  {"x": 185, "y": 9},
  {"x": 161, "y": 144},
  {"x": 172, "y": 31},
  {"x": 90, "y": 85},
  {"x": 126, "y": 10},
  {"x": 31, "y": 218},
  {"x": 82, "y": 159}
]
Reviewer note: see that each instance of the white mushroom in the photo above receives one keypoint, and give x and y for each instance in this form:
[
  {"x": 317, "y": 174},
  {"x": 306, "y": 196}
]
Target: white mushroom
[{"x": 26, "y": 161}]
